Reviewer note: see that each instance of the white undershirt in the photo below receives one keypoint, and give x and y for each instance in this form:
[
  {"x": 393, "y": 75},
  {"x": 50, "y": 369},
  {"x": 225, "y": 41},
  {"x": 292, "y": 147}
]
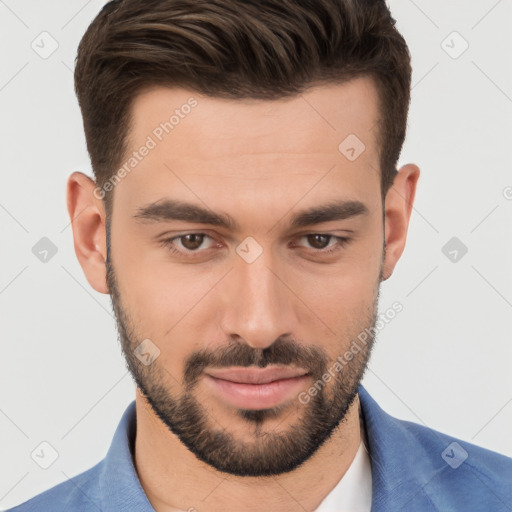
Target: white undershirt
[{"x": 353, "y": 493}]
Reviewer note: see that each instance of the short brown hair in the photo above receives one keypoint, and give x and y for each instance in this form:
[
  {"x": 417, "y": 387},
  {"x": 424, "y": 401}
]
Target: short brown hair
[{"x": 263, "y": 49}]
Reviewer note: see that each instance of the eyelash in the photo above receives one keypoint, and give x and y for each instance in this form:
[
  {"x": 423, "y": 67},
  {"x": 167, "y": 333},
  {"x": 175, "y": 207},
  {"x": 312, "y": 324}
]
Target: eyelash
[{"x": 168, "y": 243}]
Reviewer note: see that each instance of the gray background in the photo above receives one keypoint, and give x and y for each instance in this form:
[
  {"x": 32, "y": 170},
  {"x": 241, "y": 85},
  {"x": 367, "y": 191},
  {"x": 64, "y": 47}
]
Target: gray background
[{"x": 444, "y": 361}]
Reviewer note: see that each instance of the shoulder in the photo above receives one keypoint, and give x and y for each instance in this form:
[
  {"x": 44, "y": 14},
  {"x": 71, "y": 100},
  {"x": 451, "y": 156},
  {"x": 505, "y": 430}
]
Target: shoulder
[
  {"x": 80, "y": 492},
  {"x": 456, "y": 452},
  {"x": 461, "y": 473},
  {"x": 418, "y": 467}
]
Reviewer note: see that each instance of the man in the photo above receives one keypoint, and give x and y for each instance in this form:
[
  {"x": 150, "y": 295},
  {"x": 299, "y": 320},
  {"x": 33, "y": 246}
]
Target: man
[{"x": 245, "y": 209}]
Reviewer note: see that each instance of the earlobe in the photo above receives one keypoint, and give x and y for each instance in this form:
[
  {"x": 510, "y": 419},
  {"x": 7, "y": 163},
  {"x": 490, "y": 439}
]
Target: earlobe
[
  {"x": 398, "y": 208},
  {"x": 87, "y": 214}
]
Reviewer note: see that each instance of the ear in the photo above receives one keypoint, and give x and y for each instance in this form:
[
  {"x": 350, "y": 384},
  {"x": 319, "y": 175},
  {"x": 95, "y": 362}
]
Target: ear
[
  {"x": 398, "y": 207},
  {"x": 87, "y": 213}
]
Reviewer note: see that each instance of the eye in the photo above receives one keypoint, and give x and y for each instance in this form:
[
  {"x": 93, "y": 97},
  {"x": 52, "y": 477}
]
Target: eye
[
  {"x": 321, "y": 241},
  {"x": 190, "y": 243}
]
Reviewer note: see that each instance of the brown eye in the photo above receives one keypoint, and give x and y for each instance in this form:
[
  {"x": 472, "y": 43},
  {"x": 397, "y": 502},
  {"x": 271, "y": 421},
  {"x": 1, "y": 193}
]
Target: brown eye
[
  {"x": 189, "y": 244},
  {"x": 319, "y": 241},
  {"x": 324, "y": 244},
  {"x": 192, "y": 241}
]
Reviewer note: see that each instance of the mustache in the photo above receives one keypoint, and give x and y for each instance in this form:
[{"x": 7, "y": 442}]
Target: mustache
[{"x": 283, "y": 351}]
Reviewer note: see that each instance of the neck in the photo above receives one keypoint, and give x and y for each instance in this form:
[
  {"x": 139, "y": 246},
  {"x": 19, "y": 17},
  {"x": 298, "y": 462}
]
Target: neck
[{"x": 174, "y": 479}]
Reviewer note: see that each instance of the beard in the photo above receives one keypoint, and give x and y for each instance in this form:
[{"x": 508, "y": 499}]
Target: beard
[{"x": 269, "y": 453}]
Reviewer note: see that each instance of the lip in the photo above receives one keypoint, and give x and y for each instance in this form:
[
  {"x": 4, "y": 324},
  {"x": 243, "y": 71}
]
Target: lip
[
  {"x": 255, "y": 375},
  {"x": 261, "y": 388}
]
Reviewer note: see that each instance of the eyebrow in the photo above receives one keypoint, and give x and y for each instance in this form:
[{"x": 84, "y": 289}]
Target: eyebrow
[{"x": 171, "y": 209}]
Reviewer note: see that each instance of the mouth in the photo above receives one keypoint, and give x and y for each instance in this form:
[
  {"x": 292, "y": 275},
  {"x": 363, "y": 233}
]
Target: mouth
[{"x": 256, "y": 388}]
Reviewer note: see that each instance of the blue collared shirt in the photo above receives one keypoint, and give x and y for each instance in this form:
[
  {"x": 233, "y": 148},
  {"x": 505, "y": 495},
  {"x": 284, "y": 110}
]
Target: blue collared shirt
[{"x": 414, "y": 468}]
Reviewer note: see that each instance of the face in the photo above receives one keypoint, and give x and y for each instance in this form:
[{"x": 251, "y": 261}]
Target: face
[{"x": 246, "y": 236}]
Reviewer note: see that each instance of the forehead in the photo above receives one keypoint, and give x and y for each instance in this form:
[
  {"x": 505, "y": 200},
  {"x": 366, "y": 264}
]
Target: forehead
[
  {"x": 196, "y": 143},
  {"x": 321, "y": 115}
]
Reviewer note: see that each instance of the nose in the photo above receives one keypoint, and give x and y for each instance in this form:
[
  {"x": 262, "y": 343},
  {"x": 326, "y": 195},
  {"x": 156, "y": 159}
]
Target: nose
[{"x": 257, "y": 305}]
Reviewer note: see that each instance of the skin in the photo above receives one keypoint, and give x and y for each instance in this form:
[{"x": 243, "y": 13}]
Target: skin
[{"x": 259, "y": 162}]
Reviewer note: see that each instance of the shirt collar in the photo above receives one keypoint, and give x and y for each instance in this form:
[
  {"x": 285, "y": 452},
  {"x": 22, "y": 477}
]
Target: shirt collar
[
  {"x": 120, "y": 487},
  {"x": 401, "y": 467}
]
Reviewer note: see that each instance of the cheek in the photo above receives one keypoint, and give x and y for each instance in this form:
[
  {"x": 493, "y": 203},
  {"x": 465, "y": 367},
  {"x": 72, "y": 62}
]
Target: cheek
[
  {"x": 344, "y": 302},
  {"x": 169, "y": 307},
  {"x": 145, "y": 298},
  {"x": 343, "y": 295}
]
